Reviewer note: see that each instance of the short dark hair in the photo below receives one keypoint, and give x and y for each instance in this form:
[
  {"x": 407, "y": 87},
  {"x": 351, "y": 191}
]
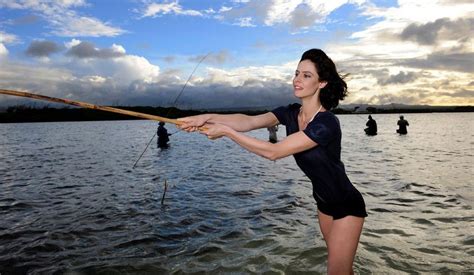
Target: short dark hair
[{"x": 336, "y": 87}]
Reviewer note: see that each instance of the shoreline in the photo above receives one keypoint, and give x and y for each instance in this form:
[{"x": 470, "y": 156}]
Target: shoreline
[{"x": 20, "y": 114}]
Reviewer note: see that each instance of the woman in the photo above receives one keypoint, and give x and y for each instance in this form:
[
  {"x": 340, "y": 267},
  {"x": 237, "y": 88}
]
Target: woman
[{"x": 314, "y": 138}]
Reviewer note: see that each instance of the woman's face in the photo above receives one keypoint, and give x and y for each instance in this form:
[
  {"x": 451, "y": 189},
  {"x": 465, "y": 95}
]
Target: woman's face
[{"x": 306, "y": 80}]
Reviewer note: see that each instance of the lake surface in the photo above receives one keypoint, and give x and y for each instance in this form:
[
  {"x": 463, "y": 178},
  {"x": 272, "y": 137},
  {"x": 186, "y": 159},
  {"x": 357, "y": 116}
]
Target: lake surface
[{"x": 71, "y": 203}]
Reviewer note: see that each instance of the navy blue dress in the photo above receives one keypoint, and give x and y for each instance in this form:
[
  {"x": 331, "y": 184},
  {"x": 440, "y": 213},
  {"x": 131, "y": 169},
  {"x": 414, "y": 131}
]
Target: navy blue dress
[{"x": 333, "y": 191}]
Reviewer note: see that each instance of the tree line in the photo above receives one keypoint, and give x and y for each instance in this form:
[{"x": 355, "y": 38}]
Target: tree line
[{"x": 25, "y": 113}]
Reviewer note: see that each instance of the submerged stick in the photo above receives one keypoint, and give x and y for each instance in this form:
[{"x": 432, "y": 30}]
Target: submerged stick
[
  {"x": 164, "y": 193},
  {"x": 90, "y": 106}
]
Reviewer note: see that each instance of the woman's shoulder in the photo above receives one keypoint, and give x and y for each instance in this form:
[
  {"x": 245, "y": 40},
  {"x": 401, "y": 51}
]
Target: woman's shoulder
[
  {"x": 290, "y": 108},
  {"x": 327, "y": 115},
  {"x": 327, "y": 118},
  {"x": 294, "y": 106}
]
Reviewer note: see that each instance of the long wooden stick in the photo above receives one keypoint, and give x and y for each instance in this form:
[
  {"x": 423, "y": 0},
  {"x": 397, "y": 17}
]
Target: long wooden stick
[{"x": 90, "y": 106}]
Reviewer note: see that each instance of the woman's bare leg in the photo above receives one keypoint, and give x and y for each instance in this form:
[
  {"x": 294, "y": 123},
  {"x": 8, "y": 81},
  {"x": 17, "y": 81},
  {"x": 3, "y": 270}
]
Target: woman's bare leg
[
  {"x": 325, "y": 224},
  {"x": 342, "y": 237}
]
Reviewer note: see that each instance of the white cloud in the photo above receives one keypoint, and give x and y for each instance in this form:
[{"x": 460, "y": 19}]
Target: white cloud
[
  {"x": 118, "y": 48},
  {"x": 408, "y": 52},
  {"x": 131, "y": 68},
  {"x": 243, "y": 76},
  {"x": 244, "y": 22},
  {"x": 63, "y": 19},
  {"x": 156, "y": 9},
  {"x": 384, "y": 64},
  {"x": 99, "y": 77},
  {"x": 250, "y": 13},
  {"x": 8, "y": 38},
  {"x": 94, "y": 79},
  {"x": 299, "y": 14},
  {"x": 72, "y": 43},
  {"x": 112, "y": 63},
  {"x": 3, "y": 51},
  {"x": 280, "y": 11},
  {"x": 75, "y": 26},
  {"x": 383, "y": 39}
]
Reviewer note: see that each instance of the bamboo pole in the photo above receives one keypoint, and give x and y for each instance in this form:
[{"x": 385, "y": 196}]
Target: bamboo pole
[{"x": 90, "y": 106}]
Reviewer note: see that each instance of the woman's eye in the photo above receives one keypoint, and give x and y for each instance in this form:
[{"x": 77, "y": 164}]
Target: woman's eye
[{"x": 307, "y": 76}]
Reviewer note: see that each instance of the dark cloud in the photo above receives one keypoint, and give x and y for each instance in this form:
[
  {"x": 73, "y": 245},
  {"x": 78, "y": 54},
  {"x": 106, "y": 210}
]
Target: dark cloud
[
  {"x": 42, "y": 48},
  {"x": 303, "y": 16},
  {"x": 88, "y": 50},
  {"x": 400, "y": 78},
  {"x": 218, "y": 58},
  {"x": 214, "y": 96},
  {"x": 444, "y": 28},
  {"x": 169, "y": 59},
  {"x": 264, "y": 95},
  {"x": 461, "y": 62},
  {"x": 26, "y": 20},
  {"x": 201, "y": 95},
  {"x": 257, "y": 10},
  {"x": 407, "y": 96},
  {"x": 462, "y": 93}
]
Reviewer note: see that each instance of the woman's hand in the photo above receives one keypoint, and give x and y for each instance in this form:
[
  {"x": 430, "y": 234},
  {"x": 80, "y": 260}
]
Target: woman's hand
[
  {"x": 192, "y": 123},
  {"x": 215, "y": 130}
]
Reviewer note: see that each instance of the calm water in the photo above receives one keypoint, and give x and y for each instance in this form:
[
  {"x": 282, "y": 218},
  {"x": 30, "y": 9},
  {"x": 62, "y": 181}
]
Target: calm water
[{"x": 70, "y": 201}]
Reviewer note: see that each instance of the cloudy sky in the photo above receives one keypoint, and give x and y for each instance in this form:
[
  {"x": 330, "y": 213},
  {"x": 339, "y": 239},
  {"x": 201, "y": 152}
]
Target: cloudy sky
[{"x": 141, "y": 52}]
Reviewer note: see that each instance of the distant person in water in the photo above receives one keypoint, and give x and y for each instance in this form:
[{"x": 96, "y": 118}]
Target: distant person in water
[
  {"x": 402, "y": 126},
  {"x": 163, "y": 136},
  {"x": 272, "y": 134},
  {"x": 371, "y": 129}
]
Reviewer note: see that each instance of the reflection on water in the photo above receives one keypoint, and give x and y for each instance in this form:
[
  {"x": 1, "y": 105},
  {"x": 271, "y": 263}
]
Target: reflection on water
[{"x": 70, "y": 200}]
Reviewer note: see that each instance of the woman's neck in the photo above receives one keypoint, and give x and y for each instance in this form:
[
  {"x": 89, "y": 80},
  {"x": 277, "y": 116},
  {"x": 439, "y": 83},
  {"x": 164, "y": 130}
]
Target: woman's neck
[
  {"x": 307, "y": 113},
  {"x": 310, "y": 107}
]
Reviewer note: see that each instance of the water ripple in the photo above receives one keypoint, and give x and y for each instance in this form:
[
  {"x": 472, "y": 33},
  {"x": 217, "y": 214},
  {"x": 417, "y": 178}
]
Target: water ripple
[{"x": 72, "y": 204}]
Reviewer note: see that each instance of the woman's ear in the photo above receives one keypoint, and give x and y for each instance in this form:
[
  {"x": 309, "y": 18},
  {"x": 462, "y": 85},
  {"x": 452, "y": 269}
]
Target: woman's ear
[{"x": 322, "y": 84}]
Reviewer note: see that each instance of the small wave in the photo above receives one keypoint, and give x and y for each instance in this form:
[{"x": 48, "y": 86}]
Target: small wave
[
  {"x": 423, "y": 221},
  {"x": 243, "y": 193},
  {"x": 15, "y": 206},
  {"x": 428, "y": 251},
  {"x": 137, "y": 242},
  {"x": 381, "y": 210},
  {"x": 232, "y": 235},
  {"x": 391, "y": 231}
]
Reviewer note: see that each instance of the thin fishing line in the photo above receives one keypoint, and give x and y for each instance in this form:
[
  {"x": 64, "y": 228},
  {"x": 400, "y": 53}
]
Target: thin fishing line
[{"x": 173, "y": 105}]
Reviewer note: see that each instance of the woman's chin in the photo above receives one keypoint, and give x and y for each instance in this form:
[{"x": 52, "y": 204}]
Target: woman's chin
[{"x": 298, "y": 95}]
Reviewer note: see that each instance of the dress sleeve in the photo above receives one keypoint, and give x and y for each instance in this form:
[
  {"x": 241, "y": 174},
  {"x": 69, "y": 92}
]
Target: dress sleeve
[
  {"x": 319, "y": 132},
  {"x": 282, "y": 114}
]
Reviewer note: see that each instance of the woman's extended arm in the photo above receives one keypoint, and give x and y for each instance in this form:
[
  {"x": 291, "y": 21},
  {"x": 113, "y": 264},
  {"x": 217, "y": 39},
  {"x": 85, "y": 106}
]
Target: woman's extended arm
[
  {"x": 238, "y": 122},
  {"x": 293, "y": 144}
]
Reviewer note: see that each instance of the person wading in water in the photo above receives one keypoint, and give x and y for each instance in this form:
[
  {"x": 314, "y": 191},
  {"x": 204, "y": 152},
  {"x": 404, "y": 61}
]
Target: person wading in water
[
  {"x": 402, "y": 126},
  {"x": 163, "y": 136},
  {"x": 371, "y": 129}
]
